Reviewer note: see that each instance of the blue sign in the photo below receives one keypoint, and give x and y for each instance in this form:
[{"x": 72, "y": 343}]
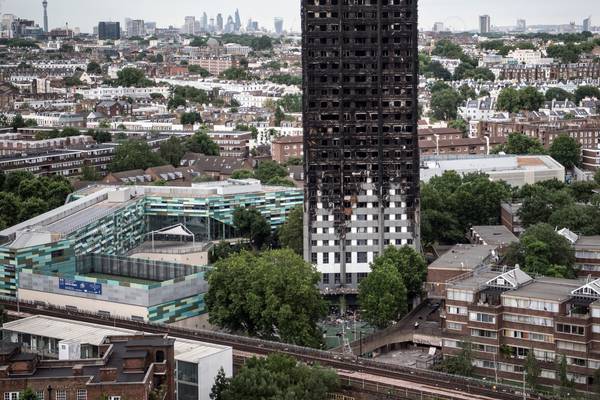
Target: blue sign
[{"x": 79, "y": 286}]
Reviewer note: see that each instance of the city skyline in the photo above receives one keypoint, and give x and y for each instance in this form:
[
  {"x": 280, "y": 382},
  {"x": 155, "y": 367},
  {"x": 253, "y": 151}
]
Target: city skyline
[{"x": 460, "y": 14}]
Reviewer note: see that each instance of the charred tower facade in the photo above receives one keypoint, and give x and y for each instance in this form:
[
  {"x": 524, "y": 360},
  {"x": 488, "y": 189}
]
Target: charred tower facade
[{"x": 360, "y": 134}]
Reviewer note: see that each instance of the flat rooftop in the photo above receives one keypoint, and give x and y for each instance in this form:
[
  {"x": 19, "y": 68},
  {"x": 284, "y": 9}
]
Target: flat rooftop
[
  {"x": 463, "y": 257},
  {"x": 474, "y": 282},
  {"x": 492, "y": 165},
  {"x": 588, "y": 243},
  {"x": 94, "y": 334},
  {"x": 551, "y": 289},
  {"x": 495, "y": 235}
]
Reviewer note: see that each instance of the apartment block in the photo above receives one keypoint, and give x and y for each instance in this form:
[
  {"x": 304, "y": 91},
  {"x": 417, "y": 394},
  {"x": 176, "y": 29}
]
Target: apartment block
[{"x": 504, "y": 315}]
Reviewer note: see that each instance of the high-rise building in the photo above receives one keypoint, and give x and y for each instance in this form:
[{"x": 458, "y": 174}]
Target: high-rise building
[
  {"x": 521, "y": 25},
  {"x": 189, "y": 25},
  {"x": 220, "y": 22},
  {"x": 45, "y": 5},
  {"x": 587, "y": 24},
  {"x": 278, "y": 25},
  {"x": 438, "y": 27},
  {"x": 135, "y": 27},
  {"x": 238, "y": 22},
  {"x": 204, "y": 22},
  {"x": 485, "y": 24},
  {"x": 150, "y": 27},
  {"x": 229, "y": 26},
  {"x": 360, "y": 135},
  {"x": 109, "y": 30},
  {"x": 211, "y": 25}
]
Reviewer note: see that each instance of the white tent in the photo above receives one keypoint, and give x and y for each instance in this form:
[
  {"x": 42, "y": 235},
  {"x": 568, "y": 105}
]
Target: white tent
[{"x": 176, "y": 230}]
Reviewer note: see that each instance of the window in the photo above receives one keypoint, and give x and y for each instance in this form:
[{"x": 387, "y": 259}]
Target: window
[
  {"x": 39, "y": 395},
  {"x": 325, "y": 279},
  {"x": 325, "y": 258},
  {"x": 480, "y": 317},
  {"x": 114, "y": 397},
  {"x": 571, "y": 346},
  {"x": 460, "y": 295},
  {"x": 81, "y": 394},
  {"x": 454, "y": 326},
  {"x": 457, "y": 310},
  {"x": 348, "y": 278},
  {"x": 570, "y": 329},
  {"x": 361, "y": 257},
  {"x": 11, "y": 395},
  {"x": 61, "y": 394},
  {"x": 484, "y": 333},
  {"x": 526, "y": 319}
]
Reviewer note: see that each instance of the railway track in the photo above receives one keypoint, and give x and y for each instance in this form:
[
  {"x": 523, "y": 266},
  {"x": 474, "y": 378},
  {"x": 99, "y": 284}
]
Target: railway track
[{"x": 424, "y": 378}]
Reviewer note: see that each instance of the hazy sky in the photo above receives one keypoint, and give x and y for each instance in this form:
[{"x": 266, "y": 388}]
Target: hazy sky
[{"x": 459, "y": 14}]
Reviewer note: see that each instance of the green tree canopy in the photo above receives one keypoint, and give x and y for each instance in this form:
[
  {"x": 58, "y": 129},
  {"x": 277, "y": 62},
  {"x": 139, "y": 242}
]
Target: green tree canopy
[
  {"x": 292, "y": 232},
  {"x": 513, "y": 100},
  {"x": 411, "y": 266},
  {"x": 543, "y": 251},
  {"x": 132, "y": 77},
  {"x": 190, "y": 118},
  {"x": 272, "y": 295},
  {"x": 447, "y": 49},
  {"x": 382, "y": 295},
  {"x": 267, "y": 170},
  {"x": 558, "y": 94},
  {"x": 279, "y": 377},
  {"x": 201, "y": 143},
  {"x": 444, "y": 104},
  {"x": 566, "y": 151},
  {"x": 521, "y": 144},
  {"x": 251, "y": 224},
  {"x": 198, "y": 70},
  {"x": 134, "y": 154},
  {"x": 94, "y": 68},
  {"x": 172, "y": 150},
  {"x": 242, "y": 174},
  {"x": 586, "y": 91}
]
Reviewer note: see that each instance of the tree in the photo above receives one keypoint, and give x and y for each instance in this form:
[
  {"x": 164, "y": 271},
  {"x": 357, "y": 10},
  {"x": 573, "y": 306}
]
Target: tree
[
  {"x": 251, "y": 224},
  {"x": 508, "y": 100},
  {"x": 101, "y": 136},
  {"x": 581, "y": 219},
  {"x": 586, "y": 91},
  {"x": 198, "y": 70},
  {"x": 236, "y": 74},
  {"x": 521, "y": 144},
  {"x": 10, "y": 208},
  {"x": 530, "y": 99},
  {"x": 566, "y": 384},
  {"x": 444, "y": 104},
  {"x": 18, "y": 122},
  {"x": 89, "y": 174},
  {"x": 411, "y": 266},
  {"x": 292, "y": 232},
  {"x": 543, "y": 251},
  {"x": 567, "y": 54},
  {"x": 32, "y": 188},
  {"x": 382, "y": 295},
  {"x": 28, "y": 394},
  {"x": 462, "y": 364},
  {"x": 278, "y": 181},
  {"x": 132, "y": 77},
  {"x": 539, "y": 202},
  {"x": 278, "y": 377},
  {"x": 172, "y": 150},
  {"x": 32, "y": 207},
  {"x": 291, "y": 103},
  {"x": 272, "y": 295},
  {"x": 267, "y": 170},
  {"x": 597, "y": 382},
  {"x": 566, "y": 151},
  {"x": 459, "y": 124},
  {"x": 94, "y": 68},
  {"x": 221, "y": 384},
  {"x": 242, "y": 174},
  {"x": 134, "y": 154},
  {"x": 435, "y": 69},
  {"x": 532, "y": 370},
  {"x": 558, "y": 94},
  {"x": 201, "y": 143},
  {"x": 176, "y": 102},
  {"x": 445, "y": 48},
  {"x": 190, "y": 118}
]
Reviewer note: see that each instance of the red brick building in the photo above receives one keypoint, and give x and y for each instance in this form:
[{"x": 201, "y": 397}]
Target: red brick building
[
  {"x": 128, "y": 367},
  {"x": 286, "y": 147}
]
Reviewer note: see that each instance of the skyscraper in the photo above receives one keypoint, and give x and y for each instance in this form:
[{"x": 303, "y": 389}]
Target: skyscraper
[
  {"x": 109, "y": 30},
  {"x": 189, "y": 25},
  {"x": 521, "y": 25},
  {"x": 278, "y": 25},
  {"x": 220, "y": 22},
  {"x": 45, "y": 5},
  {"x": 587, "y": 24},
  {"x": 238, "y": 21},
  {"x": 360, "y": 134},
  {"x": 204, "y": 22},
  {"x": 485, "y": 24},
  {"x": 135, "y": 27}
]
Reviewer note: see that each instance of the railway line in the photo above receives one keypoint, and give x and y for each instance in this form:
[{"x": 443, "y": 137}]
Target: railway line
[{"x": 356, "y": 373}]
